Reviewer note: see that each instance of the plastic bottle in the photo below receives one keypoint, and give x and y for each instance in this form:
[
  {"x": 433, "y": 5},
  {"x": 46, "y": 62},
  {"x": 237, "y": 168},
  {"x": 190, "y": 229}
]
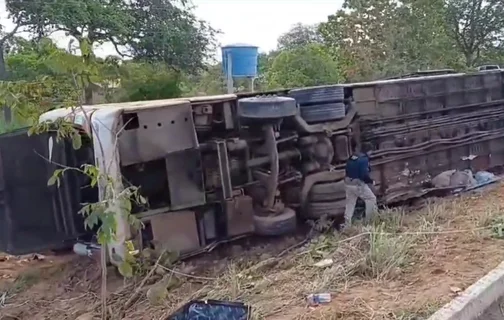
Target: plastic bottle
[{"x": 319, "y": 298}]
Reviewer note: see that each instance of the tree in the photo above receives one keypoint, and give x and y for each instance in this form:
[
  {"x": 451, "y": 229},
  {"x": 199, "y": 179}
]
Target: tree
[
  {"x": 29, "y": 60},
  {"x": 168, "y": 31},
  {"x": 5, "y": 38},
  {"x": 38, "y": 81},
  {"x": 299, "y": 35},
  {"x": 360, "y": 32},
  {"x": 120, "y": 81},
  {"x": 475, "y": 25},
  {"x": 309, "y": 65},
  {"x": 264, "y": 63},
  {"x": 493, "y": 55},
  {"x": 421, "y": 41},
  {"x": 381, "y": 38},
  {"x": 95, "y": 21},
  {"x": 209, "y": 81},
  {"x": 90, "y": 22},
  {"x": 152, "y": 30},
  {"x": 147, "y": 81}
]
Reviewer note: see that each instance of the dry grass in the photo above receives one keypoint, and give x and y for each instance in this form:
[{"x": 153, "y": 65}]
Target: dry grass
[{"x": 399, "y": 267}]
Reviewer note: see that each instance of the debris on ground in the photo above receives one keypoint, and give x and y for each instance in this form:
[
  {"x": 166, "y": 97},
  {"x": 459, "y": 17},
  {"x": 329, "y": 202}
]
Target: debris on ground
[
  {"x": 463, "y": 179},
  {"x": 485, "y": 177},
  {"x": 324, "y": 263},
  {"x": 212, "y": 309},
  {"x": 318, "y": 299},
  {"x": 405, "y": 265},
  {"x": 442, "y": 180}
]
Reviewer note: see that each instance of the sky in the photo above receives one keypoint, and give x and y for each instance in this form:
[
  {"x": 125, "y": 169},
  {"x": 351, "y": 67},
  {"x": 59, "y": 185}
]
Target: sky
[{"x": 256, "y": 22}]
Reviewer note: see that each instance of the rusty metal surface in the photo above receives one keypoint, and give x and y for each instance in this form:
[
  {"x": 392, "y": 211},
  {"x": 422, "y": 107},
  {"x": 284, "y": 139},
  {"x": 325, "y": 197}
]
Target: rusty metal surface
[
  {"x": 157, "y": 132},
  {"x": 414, "y": 168},
  {"x": 224, "y": 171},
  {"x": 341, "y": 147},
  {"x": 420, "y": 127},
  {"x": 185, "y": 179},
  {"x": 176, "y": 231},
  {"x": 324, "y": 176},
  {"x": 239, "y": 216},
  {"x": 342, "y": 124},
  {"x": 388, "y": 99}
]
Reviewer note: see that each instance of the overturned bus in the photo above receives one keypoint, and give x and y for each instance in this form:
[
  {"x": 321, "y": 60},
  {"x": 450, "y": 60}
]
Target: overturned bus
[{"x": 221, "y": 167}]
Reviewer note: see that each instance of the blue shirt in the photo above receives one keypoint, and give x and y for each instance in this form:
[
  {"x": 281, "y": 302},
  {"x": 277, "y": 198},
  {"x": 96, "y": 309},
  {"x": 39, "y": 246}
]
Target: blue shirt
[{"x": 357, "y": 167}]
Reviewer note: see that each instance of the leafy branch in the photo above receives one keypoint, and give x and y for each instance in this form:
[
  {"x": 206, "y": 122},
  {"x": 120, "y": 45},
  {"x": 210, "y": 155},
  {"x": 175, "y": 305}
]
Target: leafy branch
[{"x": 102, "y": 214}]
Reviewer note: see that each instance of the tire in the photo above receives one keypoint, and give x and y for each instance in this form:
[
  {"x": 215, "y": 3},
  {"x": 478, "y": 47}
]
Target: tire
[
  {"x": 318, "y": 94},
  {"x": 267, "y": 107},
  {"x": 330, "y": 191},
  {"x": 315, "y": 210},
  {"x": 323, "y": 112},
  {"x": 282, "y": 224}
]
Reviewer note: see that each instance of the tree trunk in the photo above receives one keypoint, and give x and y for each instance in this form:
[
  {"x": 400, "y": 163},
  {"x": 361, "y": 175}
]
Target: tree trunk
[
  {"x": 3, "y": 69},
  {"x": 86, "y": 47},
  {"x": 469, "y": 56},
  {"x": 3, "y": 77},
  {"x": 88, "y": 93}
]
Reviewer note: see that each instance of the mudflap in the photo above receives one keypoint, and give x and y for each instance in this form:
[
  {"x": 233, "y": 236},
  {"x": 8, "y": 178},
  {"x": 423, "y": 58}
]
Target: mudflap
[{"x": 36, "y": 217}]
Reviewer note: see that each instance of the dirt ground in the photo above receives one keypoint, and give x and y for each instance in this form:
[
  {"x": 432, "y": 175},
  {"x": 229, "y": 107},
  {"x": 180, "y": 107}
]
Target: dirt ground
[{"x": 403, "y": 266}]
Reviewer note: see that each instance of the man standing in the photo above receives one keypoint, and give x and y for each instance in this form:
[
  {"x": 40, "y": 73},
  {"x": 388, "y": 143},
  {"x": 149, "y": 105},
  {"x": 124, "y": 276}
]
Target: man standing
[{"x": 357, "y": 183}]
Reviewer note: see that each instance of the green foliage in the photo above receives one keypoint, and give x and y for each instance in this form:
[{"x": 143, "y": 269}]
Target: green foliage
[
  {"x": 309, "y": 65},
  {"x": 102, "y": 215},
  {"x": 168, "y": 31},
  {"x": 29, "y": 99},
  {"x": 381, "y": 38},
  {"x": 209, "y": 81},
  {"x": 264, "y": 62},
  {"x": 475, "y": 25},
  {"x": 28, "y": 60},
  {"x": 159, "y": 31},
  {"x": 45, "y": 77},
  {"x": 423, "y": 38},
  {"x": 298, "y": 36},
  {"x": 95, "y": 20},
  {"x": 493, "y": 55},
  {"x": 89, "y": 22},
  {"x": 361, "y": 31},
  {"x": 148, "y": 81}
]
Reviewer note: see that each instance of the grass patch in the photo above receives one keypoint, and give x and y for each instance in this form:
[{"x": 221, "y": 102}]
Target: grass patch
[
  {"x": 418, "y": 313},
  {"x": 386, "y": 254},
  {"x": 384, "y": 251},
  {"x": 23, "y": 282},
  {"x": 384, "y": 270},
  {"x": 367, "y": 253}
]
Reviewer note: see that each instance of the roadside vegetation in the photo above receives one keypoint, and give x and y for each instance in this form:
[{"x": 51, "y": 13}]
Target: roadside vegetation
[{"x": 405, "y": 265}]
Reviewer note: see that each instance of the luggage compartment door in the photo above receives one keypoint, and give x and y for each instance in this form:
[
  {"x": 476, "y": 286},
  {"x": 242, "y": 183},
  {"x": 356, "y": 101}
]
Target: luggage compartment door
[{"x": 34, "y": 216}]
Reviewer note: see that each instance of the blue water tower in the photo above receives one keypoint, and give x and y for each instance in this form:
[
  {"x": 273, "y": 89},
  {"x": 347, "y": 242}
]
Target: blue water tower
[{"x": 239, "y": 61}]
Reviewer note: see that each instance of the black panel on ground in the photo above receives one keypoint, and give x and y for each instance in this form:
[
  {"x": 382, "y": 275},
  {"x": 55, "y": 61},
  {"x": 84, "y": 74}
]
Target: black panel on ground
[{"x": 33, "y": 216}]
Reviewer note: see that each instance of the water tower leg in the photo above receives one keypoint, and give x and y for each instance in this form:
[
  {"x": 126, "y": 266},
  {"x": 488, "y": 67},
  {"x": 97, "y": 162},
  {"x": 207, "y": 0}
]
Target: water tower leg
[
  {"x": 252, "y": 83},
  {"x": 229, "y": 76}
]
